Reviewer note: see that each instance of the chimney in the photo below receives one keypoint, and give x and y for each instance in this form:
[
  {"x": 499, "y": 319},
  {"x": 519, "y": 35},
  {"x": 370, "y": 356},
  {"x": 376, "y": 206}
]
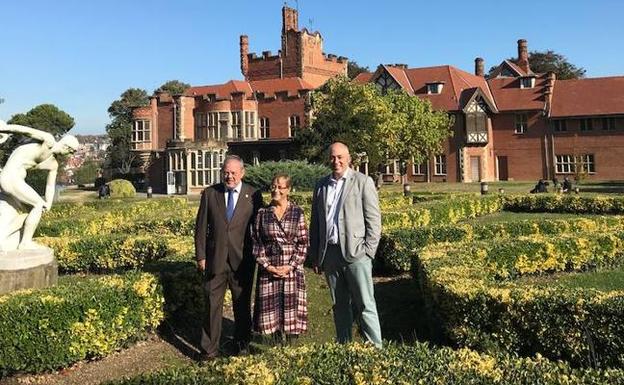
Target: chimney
[
  {"x": 523, "y": 56},
  {"x": 290, "y": 19},
  {"x": 244, "y": 50},
  {"x": 479, "y": 67}
]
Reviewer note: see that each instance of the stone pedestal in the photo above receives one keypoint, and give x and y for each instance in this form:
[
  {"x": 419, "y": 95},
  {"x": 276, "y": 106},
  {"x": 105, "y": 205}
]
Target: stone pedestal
[{"x": 27, "y": 269}]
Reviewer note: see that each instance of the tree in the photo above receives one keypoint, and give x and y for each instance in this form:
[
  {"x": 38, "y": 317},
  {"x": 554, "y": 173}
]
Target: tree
[
  {"x": 349, "y": 112},
  {"x": 353, "y": 69},
  {"x": 173, "y": 87},
  {"x": 87, "y": 172},
  {"x": 542, "y": 62},
  {"x": 45, "y": 117},
  {"x": 417, "y": 130},
  {"x": 119, "y": 131}
]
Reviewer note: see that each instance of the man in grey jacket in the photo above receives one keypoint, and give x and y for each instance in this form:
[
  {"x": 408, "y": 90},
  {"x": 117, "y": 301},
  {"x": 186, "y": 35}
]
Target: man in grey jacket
[{"x": 344, "y": 235}]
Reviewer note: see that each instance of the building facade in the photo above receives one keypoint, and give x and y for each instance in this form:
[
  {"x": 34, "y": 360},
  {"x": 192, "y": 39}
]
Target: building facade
[{"x": 512, "y": 125}]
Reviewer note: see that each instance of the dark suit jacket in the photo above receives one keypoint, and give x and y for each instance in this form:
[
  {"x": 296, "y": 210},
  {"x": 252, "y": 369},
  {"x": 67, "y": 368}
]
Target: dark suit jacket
[{"x": 218, "y": 241}]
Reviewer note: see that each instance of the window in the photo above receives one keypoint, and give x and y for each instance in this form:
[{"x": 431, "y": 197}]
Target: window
[
  {"x": 250, "y": 124},
  {"x": 567, "y": 164},
  {"x": 419, "y": 169},
  {"x": 476, "y": 131},
  {"x": 521, "y": 123},
  {"x": 560, "y": 125},
  {"x": 385, "y": 82},
  {"x": 237, "y": 129},
  {"x": 213, "y": 131},
  {"x": 293, "y": 125},
  {"x": 586, "y": 162},
  {"x": 265, "y": 128},
  {"x": 608, "y": 124},
  {"x": 224, "y": 119},
  {"x": 204, "y": 169},
  {"x": 141, "y": 134},
  {"x": 434, "y": 88},
  {"x": 527, "y": 82},
  {"x": 392, "y": 167},
  {"x": 200, "y": 126},
  {"x": 586, "y": 125},
  {"x": 440, "y": 165}
]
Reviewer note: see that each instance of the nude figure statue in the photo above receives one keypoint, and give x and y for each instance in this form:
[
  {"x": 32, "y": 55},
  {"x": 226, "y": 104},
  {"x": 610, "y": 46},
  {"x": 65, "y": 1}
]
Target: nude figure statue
[{"x": 21, "y": 206}]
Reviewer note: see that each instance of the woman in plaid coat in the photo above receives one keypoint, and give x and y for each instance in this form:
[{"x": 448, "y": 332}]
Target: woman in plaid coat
[{"x": 280, "y": 246}]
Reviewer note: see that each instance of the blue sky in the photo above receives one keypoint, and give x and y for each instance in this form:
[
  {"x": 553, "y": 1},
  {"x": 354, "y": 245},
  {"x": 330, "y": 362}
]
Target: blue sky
[{"x": 81, "y": 55}]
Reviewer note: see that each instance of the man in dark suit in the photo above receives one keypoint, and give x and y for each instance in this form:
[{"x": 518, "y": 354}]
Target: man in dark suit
[{"x": 223, "y": 248}]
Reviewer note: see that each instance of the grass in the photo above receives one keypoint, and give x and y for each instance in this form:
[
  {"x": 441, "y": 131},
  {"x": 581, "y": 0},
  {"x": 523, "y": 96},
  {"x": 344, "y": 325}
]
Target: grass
[
  {"x": 508, "y": 216},
  {"x": 603, "y": 280}
]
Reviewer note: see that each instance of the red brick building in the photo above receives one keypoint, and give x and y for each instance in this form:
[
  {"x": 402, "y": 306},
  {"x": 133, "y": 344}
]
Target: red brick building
[
  {"x": 183, "y": 138},
  {"x": 514, "y": 125}
]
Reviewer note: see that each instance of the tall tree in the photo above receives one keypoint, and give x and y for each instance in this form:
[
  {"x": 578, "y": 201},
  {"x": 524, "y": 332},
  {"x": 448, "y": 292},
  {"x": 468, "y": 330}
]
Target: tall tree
[
  {"x": 173, "y": 87},
  {"x": 542, "y": 62},
  {"x": 349, "y": 112},
  {"x": 118, "y": 154},
  {"x": 353, "y": 69},
  {"x": 46, "y": 117},
  {"x": 417, "y": 130}
]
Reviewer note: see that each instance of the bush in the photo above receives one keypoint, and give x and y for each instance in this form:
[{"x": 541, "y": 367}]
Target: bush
[
  {"x": 364, "y": 364},
  {"x": 303, "y": 174},
  {"x": 121, "y": 188},
  {"x": 56, "y": 327}
]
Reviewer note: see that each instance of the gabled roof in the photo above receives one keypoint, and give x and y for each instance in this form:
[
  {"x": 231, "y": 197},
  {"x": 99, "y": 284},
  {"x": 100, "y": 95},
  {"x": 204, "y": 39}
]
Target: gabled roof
[
  {"x": 221, "y": 91},
  {"x": 511, "y": 66},
  {"x": 586, "y": 97},
  {"x": 471, "y": 94},
  {"x": 510, "y": 97},
  {"x": 363, "y": 77},
  {"x": 414, "y": 81},
  {"x": 272, "y": 86}
]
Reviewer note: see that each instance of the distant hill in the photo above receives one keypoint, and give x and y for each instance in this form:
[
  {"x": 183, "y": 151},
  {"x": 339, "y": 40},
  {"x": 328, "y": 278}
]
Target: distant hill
[{"x": 91, "y": 138}]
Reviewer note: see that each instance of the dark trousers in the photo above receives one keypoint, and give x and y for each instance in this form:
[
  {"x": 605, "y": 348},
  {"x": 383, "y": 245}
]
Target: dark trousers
[{"x": 240, "y": 283}]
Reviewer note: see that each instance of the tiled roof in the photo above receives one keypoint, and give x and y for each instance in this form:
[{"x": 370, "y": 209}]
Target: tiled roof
[
  {"x": 584, "y": 97},
  {"x": 272, "y": 86},
  {"x": 363, "y": 77},
  {"x": 221, "y": 91},
  {"x": 510, "y": 97}
]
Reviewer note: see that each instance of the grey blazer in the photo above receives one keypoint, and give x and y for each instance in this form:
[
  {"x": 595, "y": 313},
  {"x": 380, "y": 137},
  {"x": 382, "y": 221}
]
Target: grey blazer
[{"x": 359, "y": 219}]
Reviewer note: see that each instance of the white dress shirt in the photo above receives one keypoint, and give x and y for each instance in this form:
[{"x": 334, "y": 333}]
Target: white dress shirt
[
  {"x": 332, "y": 209},
  {"x": 237, "y": 191}
]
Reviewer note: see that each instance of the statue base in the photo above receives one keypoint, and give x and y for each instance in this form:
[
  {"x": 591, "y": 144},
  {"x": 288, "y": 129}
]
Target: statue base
[{"x": 27, "y": 269}]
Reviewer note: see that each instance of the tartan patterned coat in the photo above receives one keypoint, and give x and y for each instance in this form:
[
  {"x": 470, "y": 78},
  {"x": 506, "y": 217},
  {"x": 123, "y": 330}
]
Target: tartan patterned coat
[{"x": 280, "y": 302}]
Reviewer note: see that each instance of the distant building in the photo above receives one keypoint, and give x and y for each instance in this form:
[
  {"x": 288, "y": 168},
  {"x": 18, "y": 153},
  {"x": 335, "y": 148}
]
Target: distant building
[{"x": 188, "y": 135}]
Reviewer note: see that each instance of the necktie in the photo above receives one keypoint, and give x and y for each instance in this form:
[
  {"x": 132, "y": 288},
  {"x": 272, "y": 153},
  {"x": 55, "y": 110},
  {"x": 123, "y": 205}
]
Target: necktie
[{"x": 229, "y": 210}]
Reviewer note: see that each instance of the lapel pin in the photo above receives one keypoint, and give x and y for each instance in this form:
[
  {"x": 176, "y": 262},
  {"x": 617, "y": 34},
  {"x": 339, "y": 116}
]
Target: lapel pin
[{"x": 246, "y": 195}]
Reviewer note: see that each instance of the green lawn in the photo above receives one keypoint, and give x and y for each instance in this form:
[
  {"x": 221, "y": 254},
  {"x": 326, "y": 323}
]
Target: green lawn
[
  {"x": 606, "y": 280},
  {"x": 508, "y": 216}
]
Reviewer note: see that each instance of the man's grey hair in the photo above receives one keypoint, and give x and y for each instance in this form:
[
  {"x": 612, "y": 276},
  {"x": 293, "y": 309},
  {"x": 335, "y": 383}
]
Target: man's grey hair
[{"x": 233, "y": 157}]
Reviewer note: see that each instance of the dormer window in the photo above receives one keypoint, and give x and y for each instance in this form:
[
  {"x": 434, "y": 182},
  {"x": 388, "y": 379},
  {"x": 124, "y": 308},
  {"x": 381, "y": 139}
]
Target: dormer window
[
  {"x": 527, "y": 82},
  {"x": 435, "y": 88}
]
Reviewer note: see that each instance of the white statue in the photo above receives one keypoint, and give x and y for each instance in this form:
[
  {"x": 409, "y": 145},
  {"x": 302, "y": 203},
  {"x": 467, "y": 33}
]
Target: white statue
[{"x": 20, "y": 205}]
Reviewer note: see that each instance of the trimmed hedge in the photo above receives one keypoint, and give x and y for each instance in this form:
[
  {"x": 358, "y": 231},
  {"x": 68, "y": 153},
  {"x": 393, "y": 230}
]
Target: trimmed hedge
[
  {"x": 105, "y": 253},
  {"x": 303, "y": 175},
  {"x": 362, "y": 364},
  {"x": 565, "y": 204},
  {"x": 56, "y": 327},
  {"x": 466, "y": 288}
]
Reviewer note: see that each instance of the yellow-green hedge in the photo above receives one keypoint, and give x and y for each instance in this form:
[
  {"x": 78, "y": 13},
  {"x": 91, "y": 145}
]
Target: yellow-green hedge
[
  {"x": 356, "y": 364},
  {"x": 53, "y": 328}
]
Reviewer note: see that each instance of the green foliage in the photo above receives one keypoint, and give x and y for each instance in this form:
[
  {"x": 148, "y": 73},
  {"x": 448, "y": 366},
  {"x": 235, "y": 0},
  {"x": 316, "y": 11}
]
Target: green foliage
[
  {"x": 45, "y": 117},
  {"x": 303, "y": 174},
  {"x": 364, "y": 364},
  {"x": 417, "y": 130},
  {"x": 354, "y": 69},
  {"x": 550, "y": 61},
  {"x": 564, "y": 204},
  {"x": 173, "y": 87},
  {"x": 56, "y": 327},
  {"x": 121, "y": 188},
  {"x": 351, "y": 113},
  {"x": 87, "y": 172}
]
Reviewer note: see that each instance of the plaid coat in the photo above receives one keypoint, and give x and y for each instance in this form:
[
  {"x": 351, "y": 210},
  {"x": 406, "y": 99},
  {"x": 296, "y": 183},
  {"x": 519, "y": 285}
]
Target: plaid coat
[{"x": 280, "y": 302}]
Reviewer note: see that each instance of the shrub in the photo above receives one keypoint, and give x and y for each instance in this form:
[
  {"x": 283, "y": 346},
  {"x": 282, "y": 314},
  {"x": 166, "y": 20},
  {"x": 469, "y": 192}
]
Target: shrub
[
  {"x": 56, "y": 327},
  {"x": 364, "y": 364},
  {"x": 121, "y": 188},
  {"x": 303, "y": 174}
]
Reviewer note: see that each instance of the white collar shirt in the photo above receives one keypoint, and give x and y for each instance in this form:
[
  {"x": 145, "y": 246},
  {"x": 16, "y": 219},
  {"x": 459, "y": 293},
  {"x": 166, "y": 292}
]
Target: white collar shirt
[
  {"x": 332, "y": 209},
  {"x": 237, "y": 191}
]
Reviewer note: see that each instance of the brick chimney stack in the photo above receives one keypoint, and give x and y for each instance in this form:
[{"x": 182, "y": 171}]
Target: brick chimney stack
[
  {"x": 244, "y": 50},
  {"x": 523, "y": 56},
  {"x": 479, "y": 67},
  {"x": 290, "y": 19}
]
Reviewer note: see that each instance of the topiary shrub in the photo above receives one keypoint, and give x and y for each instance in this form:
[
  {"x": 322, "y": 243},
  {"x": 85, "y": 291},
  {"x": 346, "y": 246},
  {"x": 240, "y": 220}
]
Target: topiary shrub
[
  {"x": 121, "y": 188},
  {"x": 303, "y": 174}
]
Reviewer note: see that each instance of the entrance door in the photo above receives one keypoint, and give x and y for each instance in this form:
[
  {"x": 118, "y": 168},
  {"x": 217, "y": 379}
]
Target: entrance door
[
  {"x": 503, "y": 172},
  {"x": 475, "y": 168}
]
